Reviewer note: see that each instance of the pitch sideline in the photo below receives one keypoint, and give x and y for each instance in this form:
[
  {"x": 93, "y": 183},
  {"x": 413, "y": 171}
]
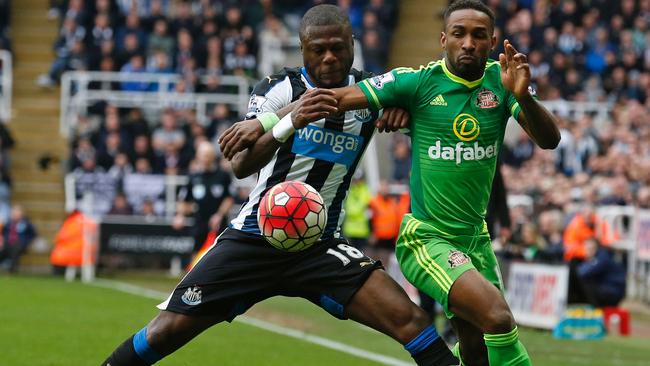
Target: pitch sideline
[{"x": 289, "y": 332}]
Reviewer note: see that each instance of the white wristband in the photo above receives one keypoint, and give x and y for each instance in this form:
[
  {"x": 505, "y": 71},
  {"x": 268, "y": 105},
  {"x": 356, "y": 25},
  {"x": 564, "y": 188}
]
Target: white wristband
[{"x": 283, "y": 129}]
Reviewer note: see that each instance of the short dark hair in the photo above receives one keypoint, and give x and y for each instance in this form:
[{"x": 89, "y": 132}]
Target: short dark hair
[
  {"x": 469, "y": 4},
  {"x": 324, "y": 14}
]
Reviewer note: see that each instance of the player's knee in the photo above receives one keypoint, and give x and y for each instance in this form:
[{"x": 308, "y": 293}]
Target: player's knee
[
  {"x": 161, "y": 332},
  {"x": 498, "y": 320},
  {"x": 409, "y": 322}
]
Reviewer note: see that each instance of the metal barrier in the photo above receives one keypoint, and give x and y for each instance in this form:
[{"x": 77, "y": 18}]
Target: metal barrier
[
  {"x": 76, "y": 96},
  {"x": 6, "y": 85},
  {"x": 600, "y": 112}
]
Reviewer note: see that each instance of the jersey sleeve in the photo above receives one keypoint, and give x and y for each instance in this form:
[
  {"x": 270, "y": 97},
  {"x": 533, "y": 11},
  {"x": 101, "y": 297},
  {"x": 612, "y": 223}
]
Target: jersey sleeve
[
  {"x": 395, "y": 88},
  {"x": 269, "y": 95},
  {"x": 513, "y": 105}
]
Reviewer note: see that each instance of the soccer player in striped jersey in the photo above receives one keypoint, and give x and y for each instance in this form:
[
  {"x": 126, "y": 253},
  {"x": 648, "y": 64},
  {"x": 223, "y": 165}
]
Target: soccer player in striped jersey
[
  {"x": 242, "y": 269},
  {"x": 459, "y": 107}
]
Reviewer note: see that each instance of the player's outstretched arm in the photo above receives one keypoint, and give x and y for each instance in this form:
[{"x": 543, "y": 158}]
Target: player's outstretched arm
[
  {"x": 351, "y": 98},
  {"x": 312, "y": 106},
  {"x": 537, "y": 121}
]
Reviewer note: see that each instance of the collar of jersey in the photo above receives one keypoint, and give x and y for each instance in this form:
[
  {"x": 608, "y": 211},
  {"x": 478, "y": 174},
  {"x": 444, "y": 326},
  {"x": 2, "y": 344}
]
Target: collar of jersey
[
  {"x": 459, "y": 80},
  {"x": 311, "y": 85}
]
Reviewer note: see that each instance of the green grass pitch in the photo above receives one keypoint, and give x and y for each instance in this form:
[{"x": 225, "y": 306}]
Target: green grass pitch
[{"x": 46, "y": 321}]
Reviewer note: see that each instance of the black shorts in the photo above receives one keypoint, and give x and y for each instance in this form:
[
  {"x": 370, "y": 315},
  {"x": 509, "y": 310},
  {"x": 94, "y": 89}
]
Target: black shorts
[{"x": 243, "y": 269}]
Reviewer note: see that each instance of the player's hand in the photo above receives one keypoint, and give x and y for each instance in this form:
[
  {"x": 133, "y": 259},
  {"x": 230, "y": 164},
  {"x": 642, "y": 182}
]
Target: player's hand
[
  {"x": 313, "y": 105},
  {"x": 240, "y": 136},
  {"x": 393, "y": 119},
  {"x": 515, "y": 72}
]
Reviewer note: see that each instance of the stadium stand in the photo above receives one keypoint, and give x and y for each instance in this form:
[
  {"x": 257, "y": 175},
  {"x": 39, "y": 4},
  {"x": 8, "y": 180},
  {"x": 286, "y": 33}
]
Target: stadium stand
[{"x": 172, "y": 51}]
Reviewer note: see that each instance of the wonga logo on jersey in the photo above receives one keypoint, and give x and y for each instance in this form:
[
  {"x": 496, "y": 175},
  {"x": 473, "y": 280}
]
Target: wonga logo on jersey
[
  {"x": 333, "y": 146},
  {"x": 467, "y": 129}
]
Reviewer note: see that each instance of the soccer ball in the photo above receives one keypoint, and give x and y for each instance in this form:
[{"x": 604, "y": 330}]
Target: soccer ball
[{"x": 292, "y": 216}]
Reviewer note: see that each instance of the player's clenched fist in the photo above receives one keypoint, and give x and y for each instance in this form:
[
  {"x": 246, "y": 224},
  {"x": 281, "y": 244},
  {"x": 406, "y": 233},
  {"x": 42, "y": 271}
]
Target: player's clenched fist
[
  {"x": 239, "y": 136},
  {"x": 315, "y": 104}
]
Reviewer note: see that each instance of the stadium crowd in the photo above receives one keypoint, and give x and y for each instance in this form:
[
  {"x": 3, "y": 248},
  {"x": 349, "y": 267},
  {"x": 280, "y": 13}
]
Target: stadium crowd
[
  {"x": 581, "y": 51},
  {"x": 199, "y": 40}
]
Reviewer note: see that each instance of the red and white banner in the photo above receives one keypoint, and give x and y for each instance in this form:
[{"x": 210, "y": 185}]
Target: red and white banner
[{"x": 537, "y": 293}]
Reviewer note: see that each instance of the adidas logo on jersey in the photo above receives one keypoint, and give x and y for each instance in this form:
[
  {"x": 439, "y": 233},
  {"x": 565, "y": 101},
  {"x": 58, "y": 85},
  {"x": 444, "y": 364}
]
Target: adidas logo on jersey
[{"x": 439, "y": 100}]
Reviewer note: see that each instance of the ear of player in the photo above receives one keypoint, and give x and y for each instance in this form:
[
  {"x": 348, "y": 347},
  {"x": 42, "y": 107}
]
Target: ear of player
[{"x": 292, "y": 216}]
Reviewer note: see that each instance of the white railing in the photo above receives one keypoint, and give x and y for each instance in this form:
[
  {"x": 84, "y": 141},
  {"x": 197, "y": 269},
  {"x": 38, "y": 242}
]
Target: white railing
[
  {"x": 6, "y": 80},
  {"x": 600, "y": 112},
  {"x": 76, "y": 96}
]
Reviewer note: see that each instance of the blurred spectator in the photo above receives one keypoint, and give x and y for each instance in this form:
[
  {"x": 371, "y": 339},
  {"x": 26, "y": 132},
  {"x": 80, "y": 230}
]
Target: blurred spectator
[
  {"x": 101, "y": 32},
  {"x": 168, "y": 134},
  {"x": 211, "y": 61},
  {"x": 148, "y": 209},
  {"x": 134, "y": 66},
  {"x": 84, "y": 151},
  {"x": 70, "y": 57},
  {"x": 550, "y": 228},
  {"x": 240, "y": 62},
  {"x": 387, "y": 211},
  {"x": 210, "y": 189},
  {"x": 401, "y": 161},
  {"x": 120, "y": 205},
  {"x": 131, "y": 26},
  {"x": 601, "y": 280},
  {"x": 374, "y": 54},
  {"x": 585, "y": 225},
  {"x": 160, "y": 40},
  {"x": 528, "y": 243},
  {"x": 142, "y": 149},
  {"x": 17, "y": 234},
  {"x": 106, "y": 155},
  {"x": 127, "y": 50},
  {"x": 120, "y": 167},
  {"x": 184, "y": 50},
  {"x": 356, "y": 227},
  {"x": 519, "y": 153},
  {"x": 220, "y": 120},
  {"x": 136, "y": 124},
  {"x": 273, "y": 39}
]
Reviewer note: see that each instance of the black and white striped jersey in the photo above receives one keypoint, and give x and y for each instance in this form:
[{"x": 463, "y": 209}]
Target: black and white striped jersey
[{"x": 324, "y": 154}]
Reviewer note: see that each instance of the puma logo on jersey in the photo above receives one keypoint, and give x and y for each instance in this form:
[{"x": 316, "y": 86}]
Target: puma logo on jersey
[{"x": 439, "y": 100}]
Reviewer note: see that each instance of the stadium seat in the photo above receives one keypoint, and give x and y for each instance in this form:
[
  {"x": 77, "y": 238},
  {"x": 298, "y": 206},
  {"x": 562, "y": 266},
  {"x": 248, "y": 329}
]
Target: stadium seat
[{"x": 618, "y": 315}]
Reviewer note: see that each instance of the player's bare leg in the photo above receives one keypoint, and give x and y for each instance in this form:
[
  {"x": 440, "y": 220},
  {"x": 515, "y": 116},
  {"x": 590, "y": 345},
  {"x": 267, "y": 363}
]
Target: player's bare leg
[
  {"x": 383, "y": 305},
  {"x": 470, "y": 339},
  {"x": 166, "y": 333},
  {"x": 482, "y": 305}
]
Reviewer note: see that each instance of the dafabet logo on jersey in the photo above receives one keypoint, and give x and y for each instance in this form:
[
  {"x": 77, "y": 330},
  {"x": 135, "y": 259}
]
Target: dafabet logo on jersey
[{"x": 467, "y": 129}]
